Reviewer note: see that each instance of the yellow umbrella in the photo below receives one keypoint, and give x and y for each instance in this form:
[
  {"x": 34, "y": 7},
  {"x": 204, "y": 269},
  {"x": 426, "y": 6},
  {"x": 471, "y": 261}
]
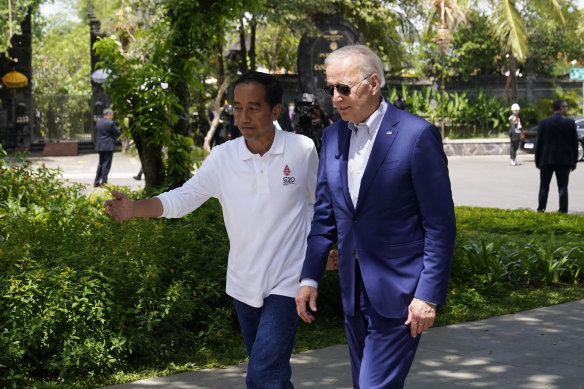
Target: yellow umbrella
[{"x": 15, "y": 79}]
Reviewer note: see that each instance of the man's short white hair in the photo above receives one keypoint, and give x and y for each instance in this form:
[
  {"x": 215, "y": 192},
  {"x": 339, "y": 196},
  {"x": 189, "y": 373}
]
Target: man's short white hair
[{"x": 367, "y": 61}]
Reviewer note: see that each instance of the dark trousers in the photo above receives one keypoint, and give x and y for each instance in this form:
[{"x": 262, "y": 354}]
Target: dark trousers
[
  {"x": 545, "y": 177},
  {"x": 514, "y": 146},
  {"x": 268, "y": 333},
  {"x": 103, "y": 167},
  {"x": 381, "y": 349}
]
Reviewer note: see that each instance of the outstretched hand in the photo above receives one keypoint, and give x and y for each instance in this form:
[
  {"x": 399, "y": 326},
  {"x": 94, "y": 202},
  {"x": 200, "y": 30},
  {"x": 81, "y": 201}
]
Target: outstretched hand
[{"x": 120, "y": 207}]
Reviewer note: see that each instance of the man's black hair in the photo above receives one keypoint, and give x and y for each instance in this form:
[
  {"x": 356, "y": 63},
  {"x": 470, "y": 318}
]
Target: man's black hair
[
  {"x": 558, "y": 104},
  {"x": 271, "y": 83}
]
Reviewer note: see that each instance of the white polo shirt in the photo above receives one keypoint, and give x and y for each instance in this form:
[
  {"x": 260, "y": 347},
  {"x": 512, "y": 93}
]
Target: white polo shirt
[{"x": 267, "y": 206}]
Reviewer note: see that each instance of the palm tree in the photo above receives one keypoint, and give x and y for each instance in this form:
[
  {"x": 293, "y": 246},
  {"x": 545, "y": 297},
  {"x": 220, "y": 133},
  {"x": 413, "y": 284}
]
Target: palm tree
[
  {"x": 508, "y": 27},
  {"x": 450, "y": 14}
]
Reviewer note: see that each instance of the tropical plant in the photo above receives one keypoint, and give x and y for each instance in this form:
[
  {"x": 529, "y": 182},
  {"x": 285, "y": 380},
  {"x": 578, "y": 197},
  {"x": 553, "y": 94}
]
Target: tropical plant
[
  {"x": 467, "y": 115},
  {"x": 509, "y": 28}
]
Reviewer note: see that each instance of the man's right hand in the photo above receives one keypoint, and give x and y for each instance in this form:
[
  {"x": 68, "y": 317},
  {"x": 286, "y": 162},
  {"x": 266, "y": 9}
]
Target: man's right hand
[
  {"x": 306, "y": 297},
  {"x": 120, "y": 207}
]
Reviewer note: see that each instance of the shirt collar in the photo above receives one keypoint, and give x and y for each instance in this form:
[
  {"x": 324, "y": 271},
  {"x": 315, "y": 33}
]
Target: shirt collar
[
  {"x": 373, "y": 121},
  {"x": 276, "y": 148}
]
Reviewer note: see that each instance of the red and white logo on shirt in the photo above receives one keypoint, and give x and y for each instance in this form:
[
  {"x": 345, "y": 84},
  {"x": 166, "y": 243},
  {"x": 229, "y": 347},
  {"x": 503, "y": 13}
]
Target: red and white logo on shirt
[{"x": 287, "y": 180}]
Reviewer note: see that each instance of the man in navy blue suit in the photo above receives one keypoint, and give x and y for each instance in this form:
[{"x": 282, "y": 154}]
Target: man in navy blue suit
[
  {"x": 384, "y": 195},
  {"x": 556, "y": 151},
  {"x": 106, "y": 134}
]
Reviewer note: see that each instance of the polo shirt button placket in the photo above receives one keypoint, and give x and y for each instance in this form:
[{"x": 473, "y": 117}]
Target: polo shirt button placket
[{"x": 263, "y": 177}]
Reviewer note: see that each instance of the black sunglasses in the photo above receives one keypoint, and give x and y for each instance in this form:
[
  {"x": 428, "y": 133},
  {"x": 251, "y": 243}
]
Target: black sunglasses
[{"x": 343, "y": 89}]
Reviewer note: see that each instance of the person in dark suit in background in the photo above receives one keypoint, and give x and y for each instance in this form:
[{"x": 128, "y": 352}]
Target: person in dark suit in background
[
  {"x": 106, "y": 135},
  {"x": 383, "y": 192},
  {"x": 556, "y": 151},
  {"x": 286, "y": 118}
]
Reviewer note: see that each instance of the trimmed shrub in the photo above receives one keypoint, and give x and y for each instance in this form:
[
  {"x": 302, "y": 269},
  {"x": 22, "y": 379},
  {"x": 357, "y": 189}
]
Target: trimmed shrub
[{"x": 82, "y": 294}]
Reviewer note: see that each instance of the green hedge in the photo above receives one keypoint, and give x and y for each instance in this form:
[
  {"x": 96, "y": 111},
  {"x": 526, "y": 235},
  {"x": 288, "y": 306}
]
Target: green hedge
[{"x": 82, "y": 295}]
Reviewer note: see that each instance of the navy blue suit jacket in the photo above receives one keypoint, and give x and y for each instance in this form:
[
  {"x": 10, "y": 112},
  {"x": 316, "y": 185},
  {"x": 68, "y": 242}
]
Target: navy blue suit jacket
[
  {"x": 106, "y": 134},
  {"x": 556, "y": 142},
  {"x": 403, "y": 227}
]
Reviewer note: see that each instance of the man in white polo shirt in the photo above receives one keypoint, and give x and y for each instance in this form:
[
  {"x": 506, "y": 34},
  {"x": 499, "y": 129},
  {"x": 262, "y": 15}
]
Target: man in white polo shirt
[{"x": 265, "y": 182}]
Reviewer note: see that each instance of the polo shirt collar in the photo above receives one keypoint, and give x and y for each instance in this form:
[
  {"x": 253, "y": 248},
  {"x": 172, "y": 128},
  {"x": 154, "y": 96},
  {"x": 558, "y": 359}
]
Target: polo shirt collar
[{"x": 276, "y": 148}]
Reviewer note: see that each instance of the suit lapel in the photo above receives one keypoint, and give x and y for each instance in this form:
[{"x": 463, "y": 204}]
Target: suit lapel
[
  {"x": 343, "y": 156},
  {"x": 384, "y": 139}
]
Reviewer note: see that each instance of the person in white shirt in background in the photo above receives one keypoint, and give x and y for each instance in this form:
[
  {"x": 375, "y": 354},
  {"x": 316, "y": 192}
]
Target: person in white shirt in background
[
  {"x": 265, "y": 182},
  {"x": 514, "y": 132}
]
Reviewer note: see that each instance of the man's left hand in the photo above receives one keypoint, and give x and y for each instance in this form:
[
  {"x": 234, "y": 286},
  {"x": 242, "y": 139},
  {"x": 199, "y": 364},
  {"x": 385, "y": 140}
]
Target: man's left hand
[
  {"x": 421, "y": 316},
  {"x": 306, "y": 297},
  {"x": 332, "y": 262}
]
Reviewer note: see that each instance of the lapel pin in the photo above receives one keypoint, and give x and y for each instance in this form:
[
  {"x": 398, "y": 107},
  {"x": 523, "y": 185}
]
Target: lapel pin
[{"x": 389, "y": 132}]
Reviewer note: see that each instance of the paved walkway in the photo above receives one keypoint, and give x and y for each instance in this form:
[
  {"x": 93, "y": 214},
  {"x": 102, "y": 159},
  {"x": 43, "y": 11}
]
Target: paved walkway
[
  {"x": 82, "y": 168},
  {"x": 538, "y": 349},
  {"x": 535, "y": 349}
]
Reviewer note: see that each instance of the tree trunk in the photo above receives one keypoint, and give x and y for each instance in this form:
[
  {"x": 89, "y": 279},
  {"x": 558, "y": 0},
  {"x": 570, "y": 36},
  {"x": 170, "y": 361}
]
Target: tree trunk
[
  {"x": 182, "y": 92},
  {"x": 219, "y": 62},
  {"x": 219, "y": 110},
  {"x": 151, "y": 159},
  {"x": 513, "y": 74},
  {"x": 243, "y": 49},
  {"x": 506, "y": 90},
  {"x": 252, "y": 54}
]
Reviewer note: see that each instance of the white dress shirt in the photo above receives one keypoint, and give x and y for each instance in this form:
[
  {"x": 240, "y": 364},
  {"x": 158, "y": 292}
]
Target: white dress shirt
[
  {"x": 267, "y": 206},
  {"x": 360, "y": 146},
  {"x": 361, "y": 143}
]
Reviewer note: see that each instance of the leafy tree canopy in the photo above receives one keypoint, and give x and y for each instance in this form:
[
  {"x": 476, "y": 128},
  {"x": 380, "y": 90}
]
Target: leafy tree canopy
[
  {"x": 61, "y": 59},
  {"x": 12, "y": 13},
  {"x": 554, "y": 47}
]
